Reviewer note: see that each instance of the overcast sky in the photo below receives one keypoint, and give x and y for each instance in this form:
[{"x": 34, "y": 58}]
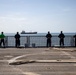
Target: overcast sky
[{"x": 37, "y": 15}]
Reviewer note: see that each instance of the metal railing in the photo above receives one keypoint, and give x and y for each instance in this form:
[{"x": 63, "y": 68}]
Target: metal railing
[{"x": 38, "y": 41}]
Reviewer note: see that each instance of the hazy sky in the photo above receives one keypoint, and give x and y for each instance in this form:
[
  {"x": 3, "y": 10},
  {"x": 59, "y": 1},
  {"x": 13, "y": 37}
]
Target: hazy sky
[{"x": 37, "y": 15}]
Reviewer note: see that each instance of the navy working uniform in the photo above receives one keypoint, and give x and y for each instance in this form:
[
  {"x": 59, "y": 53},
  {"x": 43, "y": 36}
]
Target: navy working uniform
[
  {"x": 48, "y": 36},
  {"x": 17, "y": 40},
  {"x": 61, "y": 36}
]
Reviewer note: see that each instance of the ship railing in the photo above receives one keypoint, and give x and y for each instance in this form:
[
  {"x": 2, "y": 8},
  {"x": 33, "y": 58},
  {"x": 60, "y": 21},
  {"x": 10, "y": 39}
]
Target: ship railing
[{"x": 38, "y": 41}]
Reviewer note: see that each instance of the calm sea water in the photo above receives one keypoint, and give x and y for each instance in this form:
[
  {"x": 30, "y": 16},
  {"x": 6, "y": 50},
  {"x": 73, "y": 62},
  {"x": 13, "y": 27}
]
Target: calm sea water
[{"x": 38, "y": 34}]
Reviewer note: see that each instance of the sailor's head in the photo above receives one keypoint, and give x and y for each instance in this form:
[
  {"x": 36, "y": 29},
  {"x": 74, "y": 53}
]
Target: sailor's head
[
  {"x": 61, "y": 31},
  {"x": 1, "y": 32},
  {"x": 48, "y": 32},
  {"x": 17, "y": 32}
]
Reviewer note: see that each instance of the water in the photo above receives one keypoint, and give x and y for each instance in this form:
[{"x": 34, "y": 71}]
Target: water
[
  {"x": 39, "y": 39},
  {"x": 39, "y": 34}
]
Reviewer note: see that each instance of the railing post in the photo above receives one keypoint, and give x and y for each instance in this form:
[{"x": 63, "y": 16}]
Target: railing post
[
  {"x": 28, "y": 42},
  {"x": 6, "y": 41}
]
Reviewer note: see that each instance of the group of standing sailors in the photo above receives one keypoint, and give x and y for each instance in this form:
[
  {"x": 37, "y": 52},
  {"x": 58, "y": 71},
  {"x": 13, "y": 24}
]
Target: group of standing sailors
[
  {"x": 17, "y": 39},
  {"x": 61, "y": 37},
  {"x": 48, "y": 36}
]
